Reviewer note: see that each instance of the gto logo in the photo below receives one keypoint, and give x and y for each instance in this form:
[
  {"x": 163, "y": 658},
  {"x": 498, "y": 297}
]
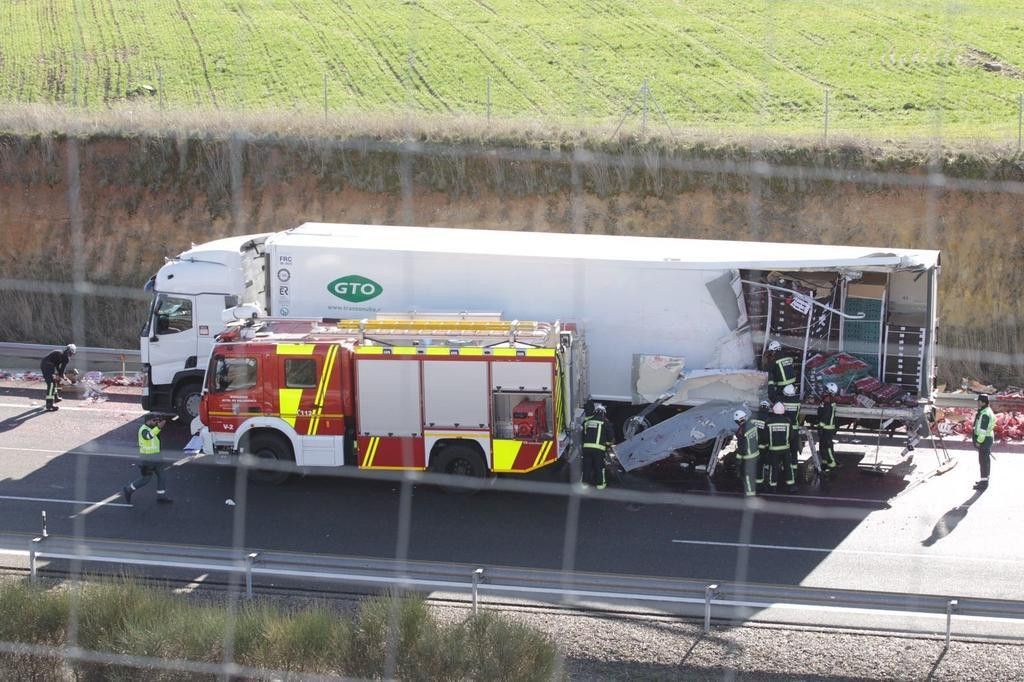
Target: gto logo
[{"x": 355, "y": 288}]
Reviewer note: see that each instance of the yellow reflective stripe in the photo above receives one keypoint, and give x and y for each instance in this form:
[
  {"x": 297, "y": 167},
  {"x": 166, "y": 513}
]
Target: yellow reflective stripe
[
  {"x": 371, "y": 450},
  {"x": 404, "y": 350},
  {"x": 370, "y": 350},
  {"x": 503, "y": 453},
  {"x": 540, "y": 352},
  {"x": 289, "y": 399},
  {"x": 504, "y": 352},
  {"x": 321, "y": 391},
  {"x": 471, "y": 351},
  {"x": 542, "y": 453},
  {"x": 295, "y": 348},
  {"x": 434, "y": 350}
]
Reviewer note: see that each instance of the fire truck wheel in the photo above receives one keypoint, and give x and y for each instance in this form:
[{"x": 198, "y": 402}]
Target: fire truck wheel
[
  {"x": 265, "y": 446},
  {"x": 459, "y": 460}
]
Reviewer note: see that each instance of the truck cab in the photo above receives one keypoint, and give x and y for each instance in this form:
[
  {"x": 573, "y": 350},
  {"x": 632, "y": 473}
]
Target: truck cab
[{"x": 190, "y": 293}]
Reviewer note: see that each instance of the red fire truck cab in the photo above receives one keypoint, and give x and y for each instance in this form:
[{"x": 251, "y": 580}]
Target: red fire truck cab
[{"x": 470, "y": 397}]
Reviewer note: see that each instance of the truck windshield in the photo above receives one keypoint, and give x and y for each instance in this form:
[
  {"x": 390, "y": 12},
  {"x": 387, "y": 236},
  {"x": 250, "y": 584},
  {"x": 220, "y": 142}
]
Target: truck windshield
[{"x": 232, "y": 374}]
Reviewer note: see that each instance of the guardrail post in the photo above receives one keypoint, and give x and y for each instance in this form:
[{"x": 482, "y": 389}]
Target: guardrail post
[
  {"x": 33, "y": 548},
  {"x": 45, "y": 534},
  {"x": 950, "y": 608},
  {"x": 478, "y": 575},
  {"x": 250, "y": 559},
  {"x": 710, "y": 592}
]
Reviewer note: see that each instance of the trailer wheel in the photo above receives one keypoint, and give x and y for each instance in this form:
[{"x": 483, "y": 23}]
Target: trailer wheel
[
  {"x": 459, "y": 460},
  {"x": 272, "y": 449}
]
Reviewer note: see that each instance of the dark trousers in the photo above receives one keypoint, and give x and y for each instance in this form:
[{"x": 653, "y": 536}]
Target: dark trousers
[
  {"x": 593, "y": 466},
  {"x": 826, "y": 448},
  {"x": 790, "y": 459},
  {"x": 51, "y": 386},
  {"x": 985, "y": 457},
  {"x": 748, "y": 473},
  {"x": 148, "y": 471},
  {"x": 771, "y": 464}
]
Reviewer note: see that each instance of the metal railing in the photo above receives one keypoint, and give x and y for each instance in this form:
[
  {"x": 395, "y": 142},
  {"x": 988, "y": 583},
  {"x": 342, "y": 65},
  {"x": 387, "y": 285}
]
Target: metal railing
[{"x": 590, "y": 591}]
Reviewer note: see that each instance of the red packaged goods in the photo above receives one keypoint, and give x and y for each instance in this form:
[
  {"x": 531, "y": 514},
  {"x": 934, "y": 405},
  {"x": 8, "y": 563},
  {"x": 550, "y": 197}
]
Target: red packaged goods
[{"x": 817, "y": 360}]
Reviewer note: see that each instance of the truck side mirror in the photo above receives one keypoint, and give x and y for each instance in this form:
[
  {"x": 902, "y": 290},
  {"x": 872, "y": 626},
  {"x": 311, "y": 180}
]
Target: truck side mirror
[{"x": 154, "y": 338}]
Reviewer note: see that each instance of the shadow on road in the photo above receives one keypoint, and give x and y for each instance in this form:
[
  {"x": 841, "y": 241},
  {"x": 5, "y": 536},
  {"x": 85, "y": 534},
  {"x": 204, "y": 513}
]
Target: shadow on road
[
  {"x": 948, "y": 523},
  {"x": 19, "y": 419}
]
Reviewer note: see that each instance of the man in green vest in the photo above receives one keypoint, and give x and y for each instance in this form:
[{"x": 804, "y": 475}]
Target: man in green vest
[
  {"x": 150, "y": 464},
  {"x": 984, "y": 436},
  {"x": 597, "y": 436}
]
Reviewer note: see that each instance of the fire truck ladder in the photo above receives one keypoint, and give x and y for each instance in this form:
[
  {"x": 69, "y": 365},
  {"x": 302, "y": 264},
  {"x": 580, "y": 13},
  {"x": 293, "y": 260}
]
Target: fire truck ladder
[{"x": 475, "y": 332}]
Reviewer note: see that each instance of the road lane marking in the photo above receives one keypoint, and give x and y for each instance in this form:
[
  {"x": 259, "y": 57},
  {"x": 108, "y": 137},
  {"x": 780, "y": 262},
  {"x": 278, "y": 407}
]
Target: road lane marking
[
  {"x": 108, "y": 502},
  {"x": 866, "y": 552},
  {"x": 17, "y": 498},
  {"x": 793, "y": 497},
  {"x": 75, "y": 409}
]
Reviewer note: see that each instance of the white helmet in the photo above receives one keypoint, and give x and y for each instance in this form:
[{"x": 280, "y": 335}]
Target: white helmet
[
  {"x": 779, "y": 408},
  {"x": 739, "y": 415},
  {"x": 789, "y": 391},
  {"x": 765, "y": 405},
  {"x": 832, "y": 388},
  {"x": 774, "y": 346},
  {"x": 71, "y": 348}
]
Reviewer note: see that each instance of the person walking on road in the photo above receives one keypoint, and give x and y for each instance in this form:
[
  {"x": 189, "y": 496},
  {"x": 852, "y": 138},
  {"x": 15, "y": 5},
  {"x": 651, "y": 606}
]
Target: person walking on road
[
  {"x": 747, "y": 451},
  {"x": 53, "y": 367},
  {"x": 597, "y": 436},
  {"x": 150, "y": 464},
  {"x": 827, "y": 427},
  {"x": 984, "y": 437}
]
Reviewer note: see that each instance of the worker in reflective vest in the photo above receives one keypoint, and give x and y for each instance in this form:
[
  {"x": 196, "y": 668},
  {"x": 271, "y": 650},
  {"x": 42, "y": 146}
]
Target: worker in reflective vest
[
  {"x": 597, "y": 436},
  {"x": 760, "y": 420},
  {"x": 53, "y": 367},
  {"x": 747, "y": 452},
  {"x": 984, "y": 437},
  {"x": 827, "y": 427},
  {"x": 150, "y": 464},
  {"x": 781, "y": 370},
  {"x": 779, "y": 428}
]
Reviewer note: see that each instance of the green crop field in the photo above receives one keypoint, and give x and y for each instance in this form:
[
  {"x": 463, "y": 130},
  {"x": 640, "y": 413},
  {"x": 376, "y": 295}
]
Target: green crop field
[{"x": 885, "y": 67}]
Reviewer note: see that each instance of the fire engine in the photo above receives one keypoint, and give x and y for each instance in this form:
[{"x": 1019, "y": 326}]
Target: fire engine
[{"x": 473, "y": 396}]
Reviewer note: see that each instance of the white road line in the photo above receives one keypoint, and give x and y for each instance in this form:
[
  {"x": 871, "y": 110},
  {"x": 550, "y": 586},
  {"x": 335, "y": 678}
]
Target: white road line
[
  {"x": 866, "y": 552},
  {"x": 78, "y": 409},
  {"x": 108, "y": 502},
  {"x": 57, "y": 501},
  {"x": 794, "y": 497}
]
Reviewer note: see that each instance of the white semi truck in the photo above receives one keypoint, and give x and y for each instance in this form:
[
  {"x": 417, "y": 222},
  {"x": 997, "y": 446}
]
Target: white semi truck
[{"x": 673, "y": 321}]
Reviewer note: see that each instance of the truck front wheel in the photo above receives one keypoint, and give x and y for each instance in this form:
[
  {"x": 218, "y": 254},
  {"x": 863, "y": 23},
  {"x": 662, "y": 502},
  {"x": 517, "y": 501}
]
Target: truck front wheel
[
  {"x": 186, "y": 402},
  {"x": 459, "y": 460},
  {"x": 275, "y": 451}
]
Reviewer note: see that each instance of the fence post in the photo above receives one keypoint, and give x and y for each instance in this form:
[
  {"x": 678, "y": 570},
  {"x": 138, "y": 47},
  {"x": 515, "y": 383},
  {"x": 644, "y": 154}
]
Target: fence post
[
  {"x": 478, "y": 575},
  {"x": 249, "y": 560},
  {"x": 828, "y": 97},
  {"x": 33, "y": 548},
  {"x": 950, "y": 607},
  {"x": 709, "y": 593}
]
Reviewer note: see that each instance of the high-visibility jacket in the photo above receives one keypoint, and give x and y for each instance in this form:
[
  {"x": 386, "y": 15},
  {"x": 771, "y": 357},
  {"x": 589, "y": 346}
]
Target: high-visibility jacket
[
  {"x": 595, "y": 434},
  {"x": 984, "y": 425},
  {"x": 778, "y": 432},
  {"x": 761, "y": 422},
  {"x": 748, "y": 444},
  {"x": 149, "y": 440},
  {"x": 827, "y": 416},
  {"x": 781, "y": 372}
]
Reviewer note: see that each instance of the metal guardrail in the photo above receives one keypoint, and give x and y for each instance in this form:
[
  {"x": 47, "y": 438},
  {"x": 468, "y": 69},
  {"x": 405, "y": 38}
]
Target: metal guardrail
[
  {"x": 587, "y": 590},
  {"x": 38, "y": 349}
]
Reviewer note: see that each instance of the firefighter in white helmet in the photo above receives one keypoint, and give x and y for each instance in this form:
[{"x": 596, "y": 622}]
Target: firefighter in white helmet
[
  {"x": 760, "y": 420},
  {"x": 827, "y": 427},
  {"x": 53, "y": 367},
  {"x": 778, "y": 428},
  {"x": 747, "y": 452},
  {"x": 791, "y": 403},
  {"x": 597, "y": 437},
  {"x": 780, "y": 368}
]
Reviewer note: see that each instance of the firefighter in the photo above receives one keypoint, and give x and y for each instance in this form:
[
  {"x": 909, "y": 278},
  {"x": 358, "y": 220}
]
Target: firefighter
[
  {"x": 747, "y": 451},
  {"x": 53, "y": 367},
  {"x": 781, "y": 371},
  {"x": 791, "y": 403},
  {"x": 149, "y": 464},
  {"x": 778, "y": 427},
  {"x": 984, "y": 436},
  {"x": 827, "y": 427},
  {"x": 597, "y": 436},
  {"x": 760, "y": 420}
]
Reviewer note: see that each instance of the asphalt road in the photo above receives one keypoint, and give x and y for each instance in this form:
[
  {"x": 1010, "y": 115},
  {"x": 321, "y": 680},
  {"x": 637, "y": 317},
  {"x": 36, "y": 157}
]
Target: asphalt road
[{"x": 904, "y": 532}]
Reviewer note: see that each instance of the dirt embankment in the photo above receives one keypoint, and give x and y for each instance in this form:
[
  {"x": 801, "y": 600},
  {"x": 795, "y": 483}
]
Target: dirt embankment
[{"x": 143, "y": 198}]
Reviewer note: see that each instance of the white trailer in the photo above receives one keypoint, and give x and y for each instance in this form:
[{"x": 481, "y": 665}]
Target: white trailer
[{"x": 647, "y": 306}]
